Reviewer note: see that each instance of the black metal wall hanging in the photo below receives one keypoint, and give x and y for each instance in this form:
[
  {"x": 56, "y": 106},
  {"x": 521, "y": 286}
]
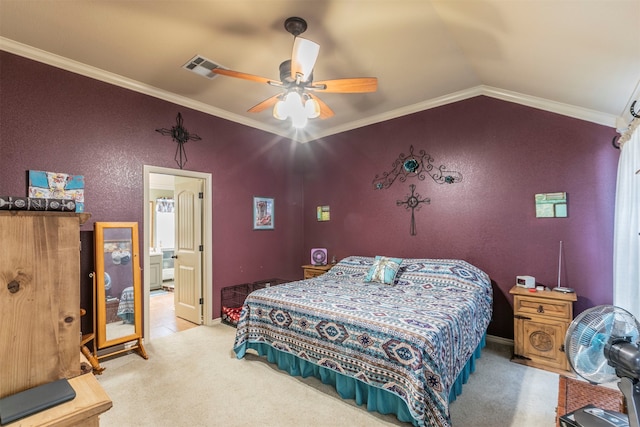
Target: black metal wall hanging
[
  {"x": 415, "y": 166},
  {"x": 636, "y": 114},
  {"x": 180, "y": 135},
  {"x": 413, "y": 202}
]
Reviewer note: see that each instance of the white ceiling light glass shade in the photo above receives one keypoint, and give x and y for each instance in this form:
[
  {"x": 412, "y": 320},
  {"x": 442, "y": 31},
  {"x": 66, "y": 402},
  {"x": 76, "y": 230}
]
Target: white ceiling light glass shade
[
  {"x": 303, "y": 58},
  {"x": 279, "y": 110},
  {"x": 287, "y": 106},
  {"x": 312, "y": 108},
  {"x": 299, "y": 108}
]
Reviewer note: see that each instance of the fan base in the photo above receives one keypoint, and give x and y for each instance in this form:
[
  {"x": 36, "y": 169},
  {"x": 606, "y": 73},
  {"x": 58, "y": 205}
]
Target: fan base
[
  {"x": 564, "y": 290},
  {"x": 596, "y": 417}
]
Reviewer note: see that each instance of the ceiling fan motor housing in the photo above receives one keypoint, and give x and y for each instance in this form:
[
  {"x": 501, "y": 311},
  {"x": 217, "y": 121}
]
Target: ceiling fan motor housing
[{"x": 285, "y": 74}]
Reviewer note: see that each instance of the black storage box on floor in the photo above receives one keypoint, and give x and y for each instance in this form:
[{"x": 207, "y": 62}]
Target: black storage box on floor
[{"x": 233, "y": 298}]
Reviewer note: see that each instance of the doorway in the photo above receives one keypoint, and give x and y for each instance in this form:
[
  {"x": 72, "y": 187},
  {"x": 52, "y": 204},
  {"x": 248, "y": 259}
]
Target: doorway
[{"x": 164, "y": 178}]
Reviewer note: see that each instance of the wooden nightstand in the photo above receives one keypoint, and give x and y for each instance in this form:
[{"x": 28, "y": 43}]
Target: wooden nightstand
[
  {"x": 311, "y": 270},
  {"x": 540, "y": 323}
]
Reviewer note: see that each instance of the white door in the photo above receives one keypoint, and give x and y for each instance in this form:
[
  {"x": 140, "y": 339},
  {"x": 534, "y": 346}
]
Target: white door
[{"x": 188, "y": 249}]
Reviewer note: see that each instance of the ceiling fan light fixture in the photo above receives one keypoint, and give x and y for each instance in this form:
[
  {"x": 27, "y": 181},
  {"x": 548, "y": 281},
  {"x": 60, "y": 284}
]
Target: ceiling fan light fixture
[
  {"x": 312, "y": 108},
  {"x": 280, "y": 111},
  {"x": 300, "y": 108},
  {"x": 287, "y": 106},
  {"x": 299, "y": 119}
]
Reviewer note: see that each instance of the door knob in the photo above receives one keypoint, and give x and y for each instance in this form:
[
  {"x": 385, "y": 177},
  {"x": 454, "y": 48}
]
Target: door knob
[{"x": 174, "y": 256}]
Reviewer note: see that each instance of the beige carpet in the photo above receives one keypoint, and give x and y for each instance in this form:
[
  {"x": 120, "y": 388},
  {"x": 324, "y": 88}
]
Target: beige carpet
[{"x": 192, "y": 378}]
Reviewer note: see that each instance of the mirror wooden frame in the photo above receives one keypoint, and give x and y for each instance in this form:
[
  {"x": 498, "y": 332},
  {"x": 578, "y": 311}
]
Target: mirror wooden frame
[{"x": 117, "y": 244}]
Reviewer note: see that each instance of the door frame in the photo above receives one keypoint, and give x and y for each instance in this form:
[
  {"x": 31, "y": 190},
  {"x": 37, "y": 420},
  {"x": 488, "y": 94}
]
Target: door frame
[{"x": 207, "y": 241}]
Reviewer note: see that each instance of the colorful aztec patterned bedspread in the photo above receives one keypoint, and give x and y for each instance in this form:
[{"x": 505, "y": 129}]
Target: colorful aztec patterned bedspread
[{"x": 411, "y": 338}]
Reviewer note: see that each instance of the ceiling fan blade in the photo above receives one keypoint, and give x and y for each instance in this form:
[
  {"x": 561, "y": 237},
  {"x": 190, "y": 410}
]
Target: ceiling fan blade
[
  {"x": 325, "y": 111},
  {"x": 355, "y": 85},
  {"x": 303, "y": 58},
  {"x": 244, "y": 76},
  {"x": 267, "y": 103}
]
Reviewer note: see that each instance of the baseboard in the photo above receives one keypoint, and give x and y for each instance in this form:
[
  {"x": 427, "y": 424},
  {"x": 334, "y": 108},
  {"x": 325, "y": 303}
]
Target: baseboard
[{"x": 499, "y": 340}]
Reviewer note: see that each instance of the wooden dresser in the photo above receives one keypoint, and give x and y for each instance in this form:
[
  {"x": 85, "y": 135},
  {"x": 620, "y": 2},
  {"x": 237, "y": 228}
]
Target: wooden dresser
[
  {"x": 40, "y": 305},
  {"x": 540, "y": 323},
  {"x": 311, "y": 270}
]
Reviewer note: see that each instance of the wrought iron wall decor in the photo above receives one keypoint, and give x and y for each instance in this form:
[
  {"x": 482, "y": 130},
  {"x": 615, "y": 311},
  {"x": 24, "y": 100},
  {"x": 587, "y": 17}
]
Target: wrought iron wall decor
[
  {"x": 413, "y": 202},
  {"x": 180, "y": 136},
  {"x": 415, "y": 165},
  {"x": 636, "y": 115}
]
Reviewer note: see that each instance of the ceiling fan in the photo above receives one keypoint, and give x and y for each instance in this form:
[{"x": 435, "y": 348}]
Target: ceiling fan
[{"x": 298, "y": 100}]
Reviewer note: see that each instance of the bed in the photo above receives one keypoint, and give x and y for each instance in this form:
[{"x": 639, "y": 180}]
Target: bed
[{"x": 399, "y": 335}]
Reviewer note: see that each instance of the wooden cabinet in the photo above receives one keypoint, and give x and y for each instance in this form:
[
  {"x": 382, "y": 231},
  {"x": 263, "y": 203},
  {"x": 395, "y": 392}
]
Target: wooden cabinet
[
  {"x": 39, "y": 298},
  {"x": 540, "y": 321},
  {"x": 155, "y": 272},
  {"x": 311, "y": 270},
  {"x": 40, "y": 336}
]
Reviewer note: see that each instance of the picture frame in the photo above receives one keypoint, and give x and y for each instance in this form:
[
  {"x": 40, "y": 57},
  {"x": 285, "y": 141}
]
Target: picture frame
[
  {"x": 552, "y": 205},
  {"x": 263, "y": 213}
]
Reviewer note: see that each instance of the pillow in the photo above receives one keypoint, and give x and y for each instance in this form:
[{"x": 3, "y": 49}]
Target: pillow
[{"x": 383, "y": 270}]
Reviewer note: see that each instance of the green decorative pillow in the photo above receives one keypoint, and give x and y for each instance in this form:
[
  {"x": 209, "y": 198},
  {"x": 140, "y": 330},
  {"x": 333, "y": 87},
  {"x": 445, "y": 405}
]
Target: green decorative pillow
[{"x": 383, "y": 270}]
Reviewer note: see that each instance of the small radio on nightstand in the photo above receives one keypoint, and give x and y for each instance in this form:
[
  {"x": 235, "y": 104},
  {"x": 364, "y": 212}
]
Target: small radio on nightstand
[{"x": 526, "y": 281}]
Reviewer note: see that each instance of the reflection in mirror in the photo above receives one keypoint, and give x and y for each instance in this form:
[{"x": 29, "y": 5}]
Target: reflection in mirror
[
  {"x": 118, "y": 283},
  {"x": 118, "y": 290}
]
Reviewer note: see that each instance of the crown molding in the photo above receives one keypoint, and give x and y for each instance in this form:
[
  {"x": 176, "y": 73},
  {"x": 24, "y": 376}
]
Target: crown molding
[
  {"x": 505, "y": 95},
  {"x": 57, "y": 61},
  {"x": 551, "y": 106},
  {"x": 404, "y": 111}
]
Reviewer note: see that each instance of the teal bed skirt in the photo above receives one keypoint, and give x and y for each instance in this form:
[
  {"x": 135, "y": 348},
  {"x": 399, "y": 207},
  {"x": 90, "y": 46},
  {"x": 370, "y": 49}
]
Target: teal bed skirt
[{"x": 376, "y": 399}]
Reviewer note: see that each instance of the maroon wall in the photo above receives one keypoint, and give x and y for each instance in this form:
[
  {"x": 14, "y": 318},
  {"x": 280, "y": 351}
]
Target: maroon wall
[
  {"x": 58, "y": 121},
  {"x": 506, "y": 154}
]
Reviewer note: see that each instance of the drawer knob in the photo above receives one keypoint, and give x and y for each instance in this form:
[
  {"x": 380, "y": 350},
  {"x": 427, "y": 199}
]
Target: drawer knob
[{"x": 540, "y": 309}]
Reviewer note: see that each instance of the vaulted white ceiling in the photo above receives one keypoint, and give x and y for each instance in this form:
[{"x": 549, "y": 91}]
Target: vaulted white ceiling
[{"x": 576, "y": 57}]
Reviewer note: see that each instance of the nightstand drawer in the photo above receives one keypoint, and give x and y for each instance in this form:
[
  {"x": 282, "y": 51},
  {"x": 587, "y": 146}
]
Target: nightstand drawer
[
  {"x": 308, "y": 274},
  {"x": 538, "y": 306},
  {"x": 311, "y": 271}
]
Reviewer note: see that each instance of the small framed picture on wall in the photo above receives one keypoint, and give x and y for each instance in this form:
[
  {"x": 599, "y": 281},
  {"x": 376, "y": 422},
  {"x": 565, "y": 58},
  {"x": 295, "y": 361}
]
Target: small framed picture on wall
[{"x": 263, "y": 213}]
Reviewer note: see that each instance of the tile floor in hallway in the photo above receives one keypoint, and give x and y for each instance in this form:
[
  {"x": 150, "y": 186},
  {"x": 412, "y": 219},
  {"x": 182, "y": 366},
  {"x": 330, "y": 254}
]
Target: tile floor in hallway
[{"x": 162, "y": 316}]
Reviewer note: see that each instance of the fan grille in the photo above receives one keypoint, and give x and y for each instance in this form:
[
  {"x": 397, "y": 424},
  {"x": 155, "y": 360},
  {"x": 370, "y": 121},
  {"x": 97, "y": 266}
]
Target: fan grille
[{"x": 590, "y": 332}]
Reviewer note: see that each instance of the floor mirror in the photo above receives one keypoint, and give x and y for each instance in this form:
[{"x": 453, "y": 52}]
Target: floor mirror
[{"x": 118, "y": 289}]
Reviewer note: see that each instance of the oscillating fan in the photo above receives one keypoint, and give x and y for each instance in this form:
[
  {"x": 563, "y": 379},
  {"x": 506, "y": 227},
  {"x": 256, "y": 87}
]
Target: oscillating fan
[{"x": 602, "y": 344}]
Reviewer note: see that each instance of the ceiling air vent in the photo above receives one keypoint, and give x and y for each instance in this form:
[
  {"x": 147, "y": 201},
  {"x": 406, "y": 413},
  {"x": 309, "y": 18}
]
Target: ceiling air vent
[{"x": 202, "y": 66}]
